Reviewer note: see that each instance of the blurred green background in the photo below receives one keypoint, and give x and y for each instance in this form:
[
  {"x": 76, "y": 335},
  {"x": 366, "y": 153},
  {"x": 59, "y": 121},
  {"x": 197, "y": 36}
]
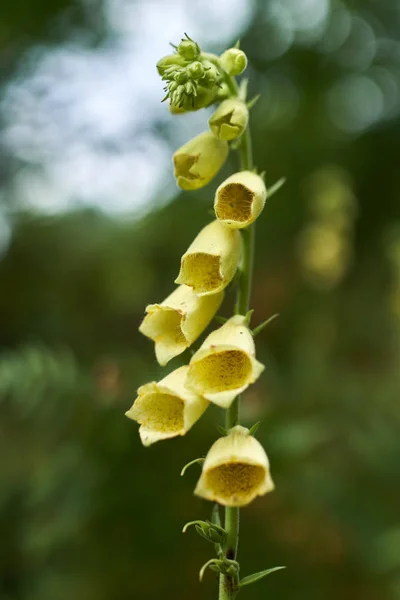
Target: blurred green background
[{"x": 92, "y": 228}]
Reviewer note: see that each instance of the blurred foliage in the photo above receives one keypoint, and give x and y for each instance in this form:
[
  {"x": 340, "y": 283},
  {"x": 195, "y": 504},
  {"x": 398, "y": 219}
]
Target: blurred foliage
[{"x": 85, "y": 511}]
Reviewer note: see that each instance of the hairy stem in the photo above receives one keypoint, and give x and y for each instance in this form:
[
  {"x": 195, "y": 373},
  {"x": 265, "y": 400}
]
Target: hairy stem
[{"x": 227, "y": 584}]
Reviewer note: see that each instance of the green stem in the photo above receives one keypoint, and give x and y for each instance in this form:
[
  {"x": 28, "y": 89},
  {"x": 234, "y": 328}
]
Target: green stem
[{"x": 227, "y": 584}]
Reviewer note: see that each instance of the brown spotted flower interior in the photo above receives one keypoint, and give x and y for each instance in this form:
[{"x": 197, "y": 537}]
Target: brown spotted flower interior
[
  {"x": 160, "y": 412},
  {"x": 201, "y": 271},
  {"x": 222, "y": 371},
  {"x": 235, "y": 481},
  {"x": 234, "y": 203}
]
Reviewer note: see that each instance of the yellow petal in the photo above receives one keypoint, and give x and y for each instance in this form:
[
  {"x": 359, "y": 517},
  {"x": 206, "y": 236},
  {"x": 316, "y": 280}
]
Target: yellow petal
[
  {"x": 178, "y": 321},
  {"x": 166, "y": 409},
  {"x": 236, "y": 470},
  {"x": 225, "y": 364},
  {"x": 240, "y": 199},
  {"x": 229, "y": 120},
  {"x": 199, "y": 160},
  {"x": 211, "y": 261}
]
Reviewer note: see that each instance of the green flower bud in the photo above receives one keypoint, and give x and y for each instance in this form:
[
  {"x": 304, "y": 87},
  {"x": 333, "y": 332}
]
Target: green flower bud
[
  {"x": 199, "y": 160},
  {"x": 181, "y": 76},
  {"x": 211, "y": 74},
  {"x": 229, "y": 120},
  {"x": 233, "y": 61},
  {"x": 195, "y": 70},
  {"x": 204, "y": 98},
  {"x": 189, "y": 50},
  {"x": 172, "y": 60}
]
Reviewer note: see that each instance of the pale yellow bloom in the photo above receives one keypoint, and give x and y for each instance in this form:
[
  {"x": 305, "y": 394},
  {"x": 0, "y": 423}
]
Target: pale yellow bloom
[
  {"x": 235, "y": 471},
  {"x": 177, "y": 322},
  {"x": 166, "y": 409},
  {"x": 211, "y": 260},
  {"x": 199, "y": 160},
  {"x": 230, "y": 119},
  {"x": 225, "y": 364},
  {"x": 240, "y": 199}
]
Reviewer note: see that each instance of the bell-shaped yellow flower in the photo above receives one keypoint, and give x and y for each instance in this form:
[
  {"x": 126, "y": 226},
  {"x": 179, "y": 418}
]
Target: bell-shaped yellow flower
[
  {"x": 177, "y": 322},
  {"x": 230, "y": 119},
  {"x": 199, "y": 160},
  {"x": 166, "y": 409},
  {"x": 211, "y": 260},
  {"x": 235, "y": 471},
  {"x": 225, "y": 364},
  {"x": 240, "y": 199}
]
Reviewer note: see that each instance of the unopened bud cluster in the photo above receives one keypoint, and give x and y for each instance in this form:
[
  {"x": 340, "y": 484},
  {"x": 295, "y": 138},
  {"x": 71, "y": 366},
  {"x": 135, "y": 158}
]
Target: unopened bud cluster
[{"x": 236, "y": 468}]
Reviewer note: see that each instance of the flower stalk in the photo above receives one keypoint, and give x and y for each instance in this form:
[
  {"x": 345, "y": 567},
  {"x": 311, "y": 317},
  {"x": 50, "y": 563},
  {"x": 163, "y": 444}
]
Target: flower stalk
[
  {"x": 227, "y": 584},
  {"x": 236, "y": 468}
]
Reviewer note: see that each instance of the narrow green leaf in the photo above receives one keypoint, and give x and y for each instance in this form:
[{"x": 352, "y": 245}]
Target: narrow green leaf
[
  {"x": 192, "y": 462},
  {"x": 253, "y": 101},
  {"x": 237, "y": 45},
  {"x": 257, "y": 576},
  {"x": 275, "y": 187},
  {"x": 263, "y": 325}
]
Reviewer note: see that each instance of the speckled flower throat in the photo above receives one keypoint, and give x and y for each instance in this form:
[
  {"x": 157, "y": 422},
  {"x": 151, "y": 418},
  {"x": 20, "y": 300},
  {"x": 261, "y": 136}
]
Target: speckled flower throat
[{"x": 236, "y": 469}]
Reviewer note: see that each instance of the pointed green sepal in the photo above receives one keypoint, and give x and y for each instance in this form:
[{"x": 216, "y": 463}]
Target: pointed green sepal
[
  {"x": 215, "y": 516},
  {"x": 253, "y": 429},
  {"x": 220, "y": 320},
  {"x": 248, "y": 316},
  {"x": 192, "y": 462},
  {"x": 263, "y": 325},
  {"x": 257, "y": 576},
  {"x": 221, "y": 430}
]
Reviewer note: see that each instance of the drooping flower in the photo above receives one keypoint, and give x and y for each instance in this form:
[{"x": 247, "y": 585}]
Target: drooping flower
[
  {"x": 166, "y": 409},
  {"x": 235, "y": 471},
  {"x": 240, "y": 199},
  {"x": 230, "y": 119},
  {"x": 211, "y": 260},
  {"x": 225, "y": 364},
  {"x": 177, "y": 322},
  {"x": 199, "y": 160}
]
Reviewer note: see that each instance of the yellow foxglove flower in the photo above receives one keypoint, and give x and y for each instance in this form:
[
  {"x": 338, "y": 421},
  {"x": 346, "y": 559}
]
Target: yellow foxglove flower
[
  {"x": 166, "y": 409},
  {"x": 211, "y": 260},
  {"x": 235, "y": 471},
  {"x": 240, "y": 199},
  {"x": 230, "y": 119},
  {"x": 199, "y": 160},
  {"x": 177, "y": 322},
  {"x": 225, "y": 364}
]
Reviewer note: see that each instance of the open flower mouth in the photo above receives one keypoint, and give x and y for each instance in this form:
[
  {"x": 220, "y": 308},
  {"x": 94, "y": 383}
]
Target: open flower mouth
[
  {"x": 234, "y": 483},
  {"x": 163, "y": 413},
  {"x": 201, "y": 272},
  {"x": 164, "y": 325},
  {"x": 234, "y": 203},
  {"x": 220, "y": 372},
  {"x": 183, "y": 166}
]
